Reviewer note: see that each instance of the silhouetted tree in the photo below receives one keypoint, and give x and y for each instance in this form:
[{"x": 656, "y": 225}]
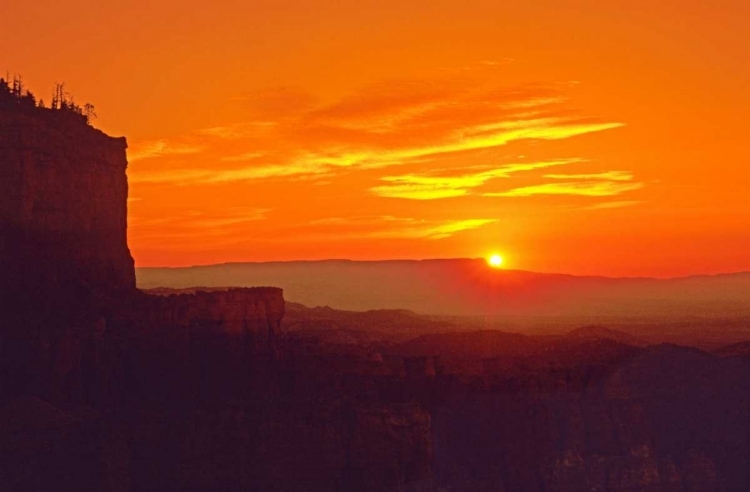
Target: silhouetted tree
[
  {"x": 72, "y": 106},
  {"x": 17, "y": 86},
  {"x": 14, "y": 95},
  {"x": 88, "y": 112},
  {"x": 58, "y": 96},
  {"x": 28, "y": 100}
]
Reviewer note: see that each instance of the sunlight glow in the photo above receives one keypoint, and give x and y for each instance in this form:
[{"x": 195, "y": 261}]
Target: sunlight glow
[{"x": 495, "y": 261}]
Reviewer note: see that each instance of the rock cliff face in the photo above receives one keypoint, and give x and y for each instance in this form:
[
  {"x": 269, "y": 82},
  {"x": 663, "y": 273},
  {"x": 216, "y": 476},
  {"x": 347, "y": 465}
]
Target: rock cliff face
[
  {"x": 214, "y": 343},
  {"x": 648, "y": 422},
  {"x": 63, "y": 211},
  {"x": 253, "y": 311},
  {"x": 71, "y": 319}
]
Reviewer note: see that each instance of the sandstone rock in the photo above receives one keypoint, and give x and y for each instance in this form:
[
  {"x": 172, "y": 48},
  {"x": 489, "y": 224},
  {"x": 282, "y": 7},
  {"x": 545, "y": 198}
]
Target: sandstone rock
[{"x": 63, "y": 212}]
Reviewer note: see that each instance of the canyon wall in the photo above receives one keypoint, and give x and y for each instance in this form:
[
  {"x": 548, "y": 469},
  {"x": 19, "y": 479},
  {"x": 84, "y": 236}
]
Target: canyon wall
[
  {"x": 63, "y": 211},
  {"x": 201, "y": 344},
  {"x": 72, "y": 322}
]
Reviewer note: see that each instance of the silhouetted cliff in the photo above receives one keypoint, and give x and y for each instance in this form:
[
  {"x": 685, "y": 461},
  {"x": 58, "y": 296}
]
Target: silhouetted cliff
[
  {"x": 72, "y": 322},
  {"x": 63, "y": 211},
  {"x": 205, "y": 344}
]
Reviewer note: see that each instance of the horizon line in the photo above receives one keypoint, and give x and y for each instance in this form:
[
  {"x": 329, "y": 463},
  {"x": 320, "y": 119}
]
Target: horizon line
[{"x": 413, "y": 260}]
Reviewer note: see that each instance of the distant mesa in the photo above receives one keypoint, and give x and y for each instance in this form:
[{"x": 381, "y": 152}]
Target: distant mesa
[{"x": 467, "y": 287}]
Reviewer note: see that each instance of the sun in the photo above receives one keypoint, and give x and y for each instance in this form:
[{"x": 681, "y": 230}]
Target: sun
[{"x": 495, "y": 261}]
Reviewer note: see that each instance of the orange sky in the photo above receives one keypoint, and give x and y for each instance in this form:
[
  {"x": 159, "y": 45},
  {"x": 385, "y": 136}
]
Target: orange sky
[{"x": 585, "y": 137}]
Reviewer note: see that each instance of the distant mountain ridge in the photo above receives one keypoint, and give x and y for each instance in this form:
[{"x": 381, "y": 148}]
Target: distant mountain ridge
[
  {"x": 600, "y": 332},
  {"x": 469, "y": 287}
]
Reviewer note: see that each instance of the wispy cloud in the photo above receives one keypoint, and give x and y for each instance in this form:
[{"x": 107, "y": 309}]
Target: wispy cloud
[
  {"x": 209, "y": 176},
  {"x": 449, "y": 228},
  {"x": 604, "y": 176},
  {"x": 290, "y": 133},
  {"x": 618, "y": 204},
  {"x": 239, "y": 130},
  {"x": 157, "y": 148},
  {"x": 209, "y": 224},
  {"x": 431, "y": 187},
  {"x": 247, "y": 156},
  {"x": 582, "y": 188},
  {"x": 389, "y": 227}
]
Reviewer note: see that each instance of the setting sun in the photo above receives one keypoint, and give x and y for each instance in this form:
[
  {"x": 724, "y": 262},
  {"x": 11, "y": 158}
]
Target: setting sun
[{"x": 495, "y": 261}]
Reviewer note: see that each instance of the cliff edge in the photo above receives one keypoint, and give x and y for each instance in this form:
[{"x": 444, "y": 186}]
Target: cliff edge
[
  {"x": 71, "y": 316},
  {"x": 63, "y": 211}
]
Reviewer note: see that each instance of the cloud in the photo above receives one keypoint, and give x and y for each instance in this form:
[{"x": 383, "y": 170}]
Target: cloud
[
  {"x": 210, "y": 176},
  {"x": 431, "y": 187},
  {"x": 582, "y": 188},
  {"x": 449, "y": 228},
  {"x": 481, "y": 138},
  {"x": 420, "y": 191},
  {"x": 239, "y": 130},
  {"x": 608, "y": 205},
  {"x": 605, "y": 176},
  {"x": 157, "y": 148},
  {"x": 290, "y": 133},
  {"x": 247, "y": 156},
  {"x": 389, "y": 227},
  {"x": 211, "y": 224},
  {"x": 232, "y": 226}
]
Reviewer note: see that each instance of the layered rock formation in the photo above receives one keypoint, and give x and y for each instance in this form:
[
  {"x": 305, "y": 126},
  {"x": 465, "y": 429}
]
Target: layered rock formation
[
  {"x": 215, "y": 343},
  {"x": 71, "y": 318},
  {"x": 255, "y": 312},
  {"x": 63, "y": 211},
  {"x": 64, "y": 258},
  {"x": 661, "y": 419}
]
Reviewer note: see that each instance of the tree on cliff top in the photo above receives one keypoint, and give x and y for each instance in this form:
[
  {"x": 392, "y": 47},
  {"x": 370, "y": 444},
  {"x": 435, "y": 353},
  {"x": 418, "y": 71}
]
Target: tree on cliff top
[
  {"x": 61, "y": 99},
  {"x": 13, "y": 93},
  {"x": 88, "y": 112},
  {"x": 14, "y": 96}
]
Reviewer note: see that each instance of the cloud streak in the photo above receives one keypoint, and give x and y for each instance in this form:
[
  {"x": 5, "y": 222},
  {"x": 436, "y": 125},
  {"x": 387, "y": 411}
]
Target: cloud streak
[
  {"x": 389, "y": 227},
  {"x": 604, "y": 176},
  {"x": 618, "y": 204},
  {"x": 158, "y": 148},
  {"x": 580, "y": 188},
  {"x": 215, "y": 226},
  {"x": 209, "y": 176},
  {"x": 385, "y": 125},
  {"x": 430, "y": 187}
]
